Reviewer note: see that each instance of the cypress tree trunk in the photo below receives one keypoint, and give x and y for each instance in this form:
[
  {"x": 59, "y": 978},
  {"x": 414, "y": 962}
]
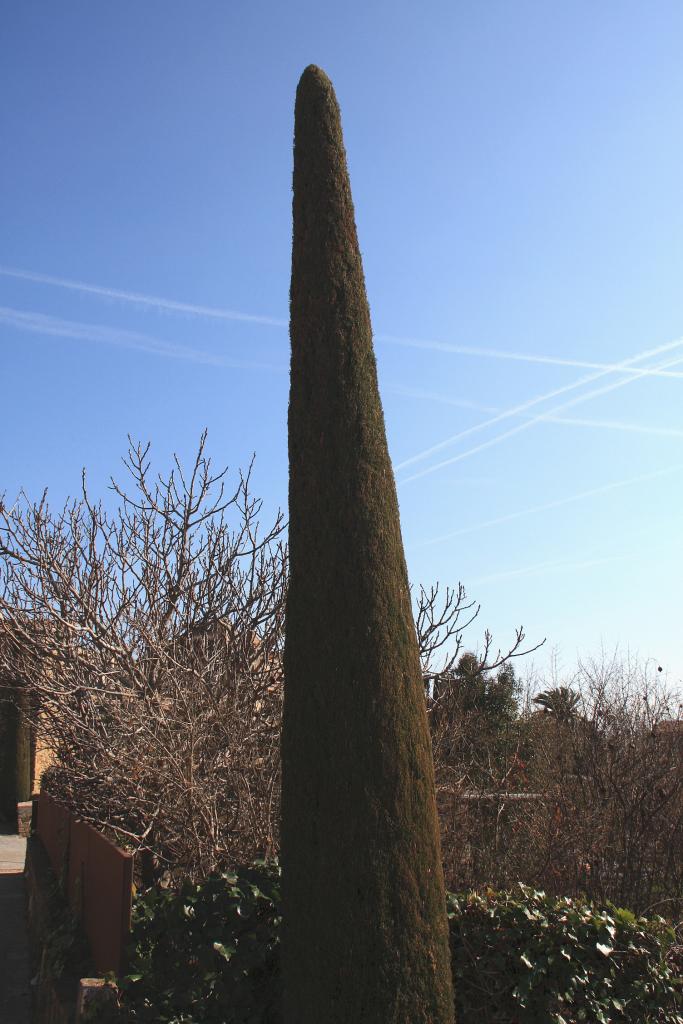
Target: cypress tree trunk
[{"x": 365, "y": 937}]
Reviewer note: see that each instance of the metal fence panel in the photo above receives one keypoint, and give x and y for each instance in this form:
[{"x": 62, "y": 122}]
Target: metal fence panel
[
  {"x": 53, "y": 829},
  {"x": 98, "y": 877}
]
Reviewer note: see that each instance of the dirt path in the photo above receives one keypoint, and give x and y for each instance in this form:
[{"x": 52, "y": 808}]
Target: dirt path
[{"x": 15, "y": 993}]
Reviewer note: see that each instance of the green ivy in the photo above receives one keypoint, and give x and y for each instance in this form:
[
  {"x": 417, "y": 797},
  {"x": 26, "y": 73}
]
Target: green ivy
[
  {"x": 209, "y": 954},
  {"x": 527, "y": 958}
]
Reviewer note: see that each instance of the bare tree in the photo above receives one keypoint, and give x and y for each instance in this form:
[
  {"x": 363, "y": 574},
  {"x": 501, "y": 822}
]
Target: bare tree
[
  {"x": 581, "y": 792},
  {"x": 149, "y": 637},
  {"x": 611, "y": 771},
  {"x": 441, "y": 620}
]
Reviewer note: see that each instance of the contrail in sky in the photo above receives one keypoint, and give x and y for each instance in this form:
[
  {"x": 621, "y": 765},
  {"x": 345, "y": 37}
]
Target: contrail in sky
[
  {"x": 428, "y": 396},
  {"x": 216, "y": 313},
  {"x": 558, "y": 503},
  {"x": 551, "y": 566},
  {"x": 528, "y": 423},
  {"x": 519, "y": 357},
  {"x": 630, "y": 428},
  {"x": 38, "y": 323},
  {"x": 516, "y": 410},
  {"x": 136, "y": 298}
]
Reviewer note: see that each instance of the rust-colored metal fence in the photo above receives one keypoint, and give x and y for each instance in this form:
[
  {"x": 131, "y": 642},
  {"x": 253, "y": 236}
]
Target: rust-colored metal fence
[
  {"x": 53, "y": 829},
  {"x": 97, "y": 877}
]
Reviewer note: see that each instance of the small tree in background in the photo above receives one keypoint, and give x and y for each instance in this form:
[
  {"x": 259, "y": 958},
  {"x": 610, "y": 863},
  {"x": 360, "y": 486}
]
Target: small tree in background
[
  {"x": 472, "y": 687},
  {"x": 560, "y": 701},
  {"x": 366, "y": 936}
]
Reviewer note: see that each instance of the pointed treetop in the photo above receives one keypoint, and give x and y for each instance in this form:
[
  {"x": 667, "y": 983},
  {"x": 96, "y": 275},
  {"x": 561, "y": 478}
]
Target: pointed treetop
[
  {"x": 319, "y": 153},
  {"x": 315, "y": 74},
  {"x": 314, "y": 81},
  {"x": 316, "y": 104},
  {"x": 327, "y": 272}
]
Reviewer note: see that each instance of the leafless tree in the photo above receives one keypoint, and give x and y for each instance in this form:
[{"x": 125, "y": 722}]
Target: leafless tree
[
  {"x": 150, "y": 639},
  {"x": 441, "y": 621},
  {"x": 584, "y": 802},
  {"x": 613, "y": 778}
]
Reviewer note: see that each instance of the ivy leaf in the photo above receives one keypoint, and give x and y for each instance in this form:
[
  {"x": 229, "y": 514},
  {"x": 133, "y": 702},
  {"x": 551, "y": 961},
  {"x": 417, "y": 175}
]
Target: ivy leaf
[{"x": 224, "y": 951}]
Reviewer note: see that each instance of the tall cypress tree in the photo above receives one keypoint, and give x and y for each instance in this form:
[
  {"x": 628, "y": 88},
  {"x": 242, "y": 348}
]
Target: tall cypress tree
[{"x": 365, "y": 937}]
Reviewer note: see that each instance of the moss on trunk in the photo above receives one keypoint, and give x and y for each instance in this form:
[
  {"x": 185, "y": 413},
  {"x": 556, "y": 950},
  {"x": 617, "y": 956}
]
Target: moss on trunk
[{"x": 365, "y": 930}]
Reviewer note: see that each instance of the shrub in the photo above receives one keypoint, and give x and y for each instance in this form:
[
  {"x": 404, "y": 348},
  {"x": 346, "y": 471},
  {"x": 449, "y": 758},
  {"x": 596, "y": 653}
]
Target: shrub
[
  {"x": 207, "y": 954},
  {"x": 526, "y": 958},
  {"x": 210, "y": 953}
]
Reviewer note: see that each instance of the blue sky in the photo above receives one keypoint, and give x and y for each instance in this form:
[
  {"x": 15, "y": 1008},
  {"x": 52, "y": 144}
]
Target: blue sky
[{"x": 516, "y": 171}]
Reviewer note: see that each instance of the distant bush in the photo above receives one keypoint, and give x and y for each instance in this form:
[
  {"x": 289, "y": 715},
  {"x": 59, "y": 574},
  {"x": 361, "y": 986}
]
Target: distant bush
[{"x": 210, "y": 953}]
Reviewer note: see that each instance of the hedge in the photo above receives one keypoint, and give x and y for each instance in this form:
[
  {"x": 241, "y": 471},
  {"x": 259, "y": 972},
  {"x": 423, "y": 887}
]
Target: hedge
[{"x": 209, "y": 954}]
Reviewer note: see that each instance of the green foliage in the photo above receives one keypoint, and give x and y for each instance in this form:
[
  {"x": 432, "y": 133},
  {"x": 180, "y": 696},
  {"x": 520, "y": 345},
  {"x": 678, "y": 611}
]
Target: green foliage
[
  {"x": 476, "y": 724},
  {"x": 528, "y": 958},
  {"x": 210, "y": 954},
  {"x": 492, "y": 696},
  {"x": 561, "y": 701}
]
